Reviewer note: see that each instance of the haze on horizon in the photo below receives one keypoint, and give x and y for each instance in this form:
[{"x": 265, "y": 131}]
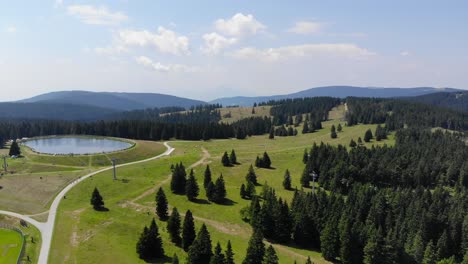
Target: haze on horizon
[{"x": 209, "y": 49}]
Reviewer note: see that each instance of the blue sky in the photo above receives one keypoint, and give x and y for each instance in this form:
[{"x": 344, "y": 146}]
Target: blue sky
[{"x": 209, "y": 49}]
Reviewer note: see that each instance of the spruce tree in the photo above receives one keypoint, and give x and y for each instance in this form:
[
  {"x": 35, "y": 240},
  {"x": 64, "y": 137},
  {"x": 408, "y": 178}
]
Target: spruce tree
[
  {"x": 272, "y": 133},
  {"x": 305, "y": 128},
  {"x": 270, "y": 256},
  {"x": 255, "y": 250},
  {"x": 250, "y": 190},
  {"x": 211, "y": 192},
  {"x": 359, "y": 141},
  {"x": 201, "y": 251},
  {"x": 218, "y": 256},
  {"x": 329, "y": 242},
  {"x": 368, "y": 136},
  {"x": 96, "y": 200},
  {"x": 220, "y": 190},
  {"x": 207, "y": 177},
  {"x": 188, "y": 231},
  {"x": 225, "y": 160},
  {"x": 251, "y": 176},
  {"x": 174, "y": 226},
  {"x": 14, "y": 149},
  {"x": 161, "y": 205},
  {"x": 179, "y": 179},
  {"x": 243, "y": 192},
  {"x": 309, "y": 261},
  {"x": 442, "y": 246},
  {"x": 287, "y": 180},
  {"x": 149, "y": 246},
  {"x": 333, "y": 132},
  {"x": 339, "y": 128},
  {"x": 233, "y": 157},
  {"x": 191, "y": 188},
  {"x": 430, "y": 254},
  {"x": 229, "y": 259},
  {"x": 266, "y": 160},
  {"x": 352, "y": 143}
]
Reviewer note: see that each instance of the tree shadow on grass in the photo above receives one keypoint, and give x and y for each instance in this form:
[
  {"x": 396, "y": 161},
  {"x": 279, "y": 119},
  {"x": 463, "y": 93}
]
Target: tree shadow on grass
[
  {"x": 228, "y": 202},
  {"x": 201, "y": 201},
  {"x": 102, "y": 209}
]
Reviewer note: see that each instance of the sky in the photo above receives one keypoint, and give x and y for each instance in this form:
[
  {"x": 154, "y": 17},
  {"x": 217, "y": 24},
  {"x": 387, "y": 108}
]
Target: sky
[{"x": 209, "y": 49}]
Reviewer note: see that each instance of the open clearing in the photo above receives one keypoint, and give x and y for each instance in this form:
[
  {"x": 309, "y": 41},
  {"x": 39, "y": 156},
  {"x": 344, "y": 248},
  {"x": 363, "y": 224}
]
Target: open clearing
[
  {"x": 10, "y": 246},
  {"x": 82, "y": 234},
  {"x": 33, "y": 180}
]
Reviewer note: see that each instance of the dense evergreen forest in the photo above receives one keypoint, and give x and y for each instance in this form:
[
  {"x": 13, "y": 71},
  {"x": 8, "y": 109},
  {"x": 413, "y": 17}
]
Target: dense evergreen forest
[
  {"x": 406, "y": 204},
  {"x": 397, "y": 114},
  {"x": 455, "y": 100}
]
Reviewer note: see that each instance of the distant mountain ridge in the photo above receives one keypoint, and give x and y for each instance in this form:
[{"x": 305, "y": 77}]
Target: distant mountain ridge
[
  {"x": 116, "y": 101},
  {"x": 336, "y": 91}
]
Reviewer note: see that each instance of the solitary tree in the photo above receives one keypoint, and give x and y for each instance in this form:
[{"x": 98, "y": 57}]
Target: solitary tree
[
  {"x": 207, "y": 178},
  {"x": 287, "y": 180},
  {"x": 188, "y": 231},
  {"x": 352, "y": 143},
  {"x": 14, "y": 149},
  {"x": 178, "y": 179},
  {"x": 270, "y": 256},
  {"x": 255, "y": 250},
  {"x": 309, "y": 261},
  {"x": 191, "y": 188},
  {"x": 220, "y": 190},
  {"x": 200, "y": 251},
  {"x": 96, "y": 200},
  {"x": 333, "y": 132},
  {"x": 272, "y": 133},
  {"x": 225, "y": 160},
  {"x": 173, "y": 226},
  {"x": 339, "y": 128},
  {"x": 266, "y": 160},
  {"x": 161, "y": 205}
]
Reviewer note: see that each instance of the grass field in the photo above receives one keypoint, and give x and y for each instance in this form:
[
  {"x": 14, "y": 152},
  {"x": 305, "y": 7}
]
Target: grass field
[
  {"x": 84, "y": 235},
  {"x": 10, "y": 246},
  {"x": 238, "y": 113},
  {"x": 33, "y": 180}
]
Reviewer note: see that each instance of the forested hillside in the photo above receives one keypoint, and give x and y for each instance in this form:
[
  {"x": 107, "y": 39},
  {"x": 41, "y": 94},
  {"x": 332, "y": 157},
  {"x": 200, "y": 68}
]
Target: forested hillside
[{"x": 456, "y": 100}]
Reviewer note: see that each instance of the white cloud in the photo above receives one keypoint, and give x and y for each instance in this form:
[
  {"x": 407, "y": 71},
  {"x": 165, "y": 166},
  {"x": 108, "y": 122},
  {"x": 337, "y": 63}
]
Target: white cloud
[
  {"x": 166, "y": 41},
  {"x": 157, "y": 66},
  {"x": 96, "y": 15},
  {"x": 306, "y": 27},
  {"x": 306, "y": 50},
  {"x": 214, "y": 43},
  {"x": 239, "y": 25},
  {"x": 58, "y": 3},
  {"x": 405, "y": 53},
  {"x": 11, "y": 29}
]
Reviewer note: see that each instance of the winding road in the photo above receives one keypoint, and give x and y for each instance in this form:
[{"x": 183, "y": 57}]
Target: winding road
[{"x": 47, "y": 228}]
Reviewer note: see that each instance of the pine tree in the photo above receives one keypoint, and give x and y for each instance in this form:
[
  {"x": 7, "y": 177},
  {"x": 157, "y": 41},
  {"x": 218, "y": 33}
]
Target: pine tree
[
  {"x": 329, "y": 242},
  {"x": 243, "y": 192},
  {"x": 175, "y": 259},
  {"x": 368, "y": 136},
  {"x": 14, "y": 149},
  {"x": 305, "y": 128},
  {"x": 250, "y": 190},
  {"x": 373, "y": 251},
  {"x": 188, "y": 231},
  {"x": 270, "y": 256},
  {"x": 218, "y": 256},
  {"x": 430, "y": 254},
  {"x": 251, "y": 176},
  {"x": 309, "y": 261},
  {"x": 352, "y": 143},
  {"x": 229, "y": 254},
  {"x": 220, "y": 189},
  {"x": 191, "y": 188},
  {"x": 233, "y": 157},
  {"x": 266, "y": 160},
  {"x": 225, "y": 160},
  {"x": 96, "y": 200},
  {"x": 272, "y": 133},
  {"x": 207, "y": 177},
  {"x": 287, "y": 180},
  {"x": 200, "y": 251},
  {"x": 149, "y": 246},
  {"x": 211, "y": 192},
  {"x": 173, "y": 226},
  {"x": 359, "y": 141},
  {"x": 339, "y": 128},
  {"x": 442, "y": 246},
  {"x": 258, "y": 162},
  {"x": 161, "y": 205},
  {"x": 255, "y": 250},
  {"x": 179, "y": 179},
  {"x": 333, "y": 132}
]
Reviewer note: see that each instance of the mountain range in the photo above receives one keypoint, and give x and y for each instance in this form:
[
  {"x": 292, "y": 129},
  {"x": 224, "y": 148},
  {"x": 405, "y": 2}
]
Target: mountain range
[{"x": 86, "y": 106}]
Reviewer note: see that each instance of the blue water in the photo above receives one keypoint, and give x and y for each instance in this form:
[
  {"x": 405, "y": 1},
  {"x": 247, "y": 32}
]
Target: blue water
[{"x": 76, "y": 145}]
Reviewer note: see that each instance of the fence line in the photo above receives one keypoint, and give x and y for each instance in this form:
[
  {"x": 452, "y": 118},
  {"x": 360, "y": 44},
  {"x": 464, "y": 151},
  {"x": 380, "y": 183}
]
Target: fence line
[{"x": 10, "y": 227}]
